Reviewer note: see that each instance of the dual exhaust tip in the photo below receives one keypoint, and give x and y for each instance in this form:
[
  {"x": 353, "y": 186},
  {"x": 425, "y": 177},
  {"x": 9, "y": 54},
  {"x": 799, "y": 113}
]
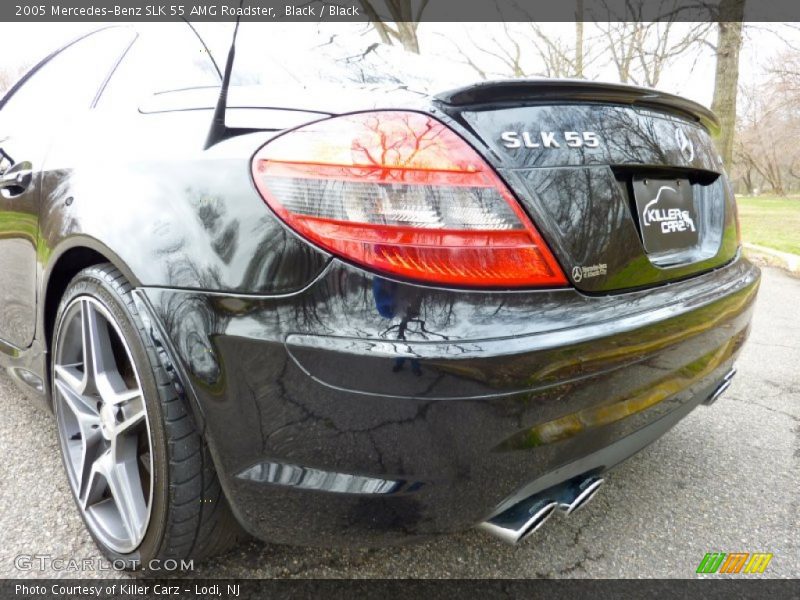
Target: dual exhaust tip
[
  {"x": 521, "y": 520},
  {"x": 721, "y": 388}
]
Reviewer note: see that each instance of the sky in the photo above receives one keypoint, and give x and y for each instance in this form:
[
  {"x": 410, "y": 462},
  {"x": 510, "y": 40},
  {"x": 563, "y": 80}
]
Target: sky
[{"x": 25, "y": 43}]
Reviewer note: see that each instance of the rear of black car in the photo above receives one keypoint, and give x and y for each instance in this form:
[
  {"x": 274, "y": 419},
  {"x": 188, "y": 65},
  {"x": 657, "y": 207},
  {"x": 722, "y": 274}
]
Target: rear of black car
[
  {"x": 398, "y": 394},
  {"x": 628, "y": 192}
]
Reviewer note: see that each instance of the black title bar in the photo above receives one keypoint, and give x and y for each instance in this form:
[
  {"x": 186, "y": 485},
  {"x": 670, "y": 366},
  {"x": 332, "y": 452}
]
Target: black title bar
[
  {"x": 415, "y": 10},
  {"x": 197, "y": 589}
]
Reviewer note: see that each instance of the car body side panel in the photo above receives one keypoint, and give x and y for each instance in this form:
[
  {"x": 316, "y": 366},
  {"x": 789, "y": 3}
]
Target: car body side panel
[
  {"x": 174, "y": 215},
  {"x": 19, "y": 236},
  {"x": 433, "y": 418},
  {"x": 140, "y": 191}
]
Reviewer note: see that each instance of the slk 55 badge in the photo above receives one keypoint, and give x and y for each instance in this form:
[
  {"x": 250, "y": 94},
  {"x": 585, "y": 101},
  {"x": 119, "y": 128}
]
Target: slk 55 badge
[{"x": 550, "y": 139}]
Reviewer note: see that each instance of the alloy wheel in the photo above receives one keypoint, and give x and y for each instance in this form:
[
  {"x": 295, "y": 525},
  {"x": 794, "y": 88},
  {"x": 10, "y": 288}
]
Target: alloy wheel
[{"x": 102, "y": 425}]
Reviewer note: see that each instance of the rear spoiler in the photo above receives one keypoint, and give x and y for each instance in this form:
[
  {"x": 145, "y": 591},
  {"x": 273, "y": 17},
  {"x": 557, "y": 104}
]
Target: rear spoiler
[{"x": 576, "y": 90}]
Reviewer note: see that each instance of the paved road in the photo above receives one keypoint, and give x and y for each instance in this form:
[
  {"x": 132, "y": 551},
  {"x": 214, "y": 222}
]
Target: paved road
[{"x": 725, "y": 479}]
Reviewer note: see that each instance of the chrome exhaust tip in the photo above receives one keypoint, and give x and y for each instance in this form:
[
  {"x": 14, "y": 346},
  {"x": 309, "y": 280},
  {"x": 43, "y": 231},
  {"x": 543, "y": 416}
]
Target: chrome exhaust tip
[
  {"x": 580, "y": 495},
  {"x": 721, "y": 388},
  {"x": 538, "y": 520},
  {"x": 524, "y": 518},
  {"x": 519, "y": 522}
]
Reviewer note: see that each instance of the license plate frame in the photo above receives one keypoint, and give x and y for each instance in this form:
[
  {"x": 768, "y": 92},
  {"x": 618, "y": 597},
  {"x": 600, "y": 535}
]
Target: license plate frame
[{"x": 667, "y": 215}]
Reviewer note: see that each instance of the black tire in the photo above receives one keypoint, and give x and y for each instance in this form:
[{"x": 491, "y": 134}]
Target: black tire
[{"x": 189, "y": 517}]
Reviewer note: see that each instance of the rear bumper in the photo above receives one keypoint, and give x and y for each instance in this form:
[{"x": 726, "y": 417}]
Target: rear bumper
[{"x": 333, "y": 421}]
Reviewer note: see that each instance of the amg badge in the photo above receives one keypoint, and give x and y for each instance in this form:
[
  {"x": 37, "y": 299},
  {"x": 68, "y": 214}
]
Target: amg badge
[{"x": 550, "y": 139}]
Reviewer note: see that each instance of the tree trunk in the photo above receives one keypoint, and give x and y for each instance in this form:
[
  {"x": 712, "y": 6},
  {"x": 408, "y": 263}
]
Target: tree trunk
[
  {"x": 747, "y": 179},
  {"x": 377, "y": 24},
  {"x": 407, "y": 34},
  {"x": 726, "y": 83},
  {"x": 405, "y": 20},
  {"x": 579, "y": 40}
]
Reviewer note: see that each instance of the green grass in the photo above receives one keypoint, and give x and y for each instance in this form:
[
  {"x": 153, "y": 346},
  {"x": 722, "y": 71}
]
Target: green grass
[{"x": 771, "y": 221}]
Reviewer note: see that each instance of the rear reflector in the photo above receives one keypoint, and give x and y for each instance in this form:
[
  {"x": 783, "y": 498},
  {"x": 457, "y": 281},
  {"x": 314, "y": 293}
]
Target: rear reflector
[{"x": 401, "y": 194}]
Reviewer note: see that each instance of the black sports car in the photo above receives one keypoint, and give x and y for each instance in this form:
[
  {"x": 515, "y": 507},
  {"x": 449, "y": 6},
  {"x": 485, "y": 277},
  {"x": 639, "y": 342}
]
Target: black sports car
[{"x": 353, "y": 312}]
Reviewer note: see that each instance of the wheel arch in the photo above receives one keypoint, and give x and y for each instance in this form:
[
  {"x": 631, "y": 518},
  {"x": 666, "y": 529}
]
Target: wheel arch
[{"x": 69, "y": 259}]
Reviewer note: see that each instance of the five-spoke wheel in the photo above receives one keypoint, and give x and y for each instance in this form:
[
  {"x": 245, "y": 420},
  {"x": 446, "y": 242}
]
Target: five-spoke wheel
[
  {"x": 140, "y": 472},
  {"x": 103, "y": 425}
]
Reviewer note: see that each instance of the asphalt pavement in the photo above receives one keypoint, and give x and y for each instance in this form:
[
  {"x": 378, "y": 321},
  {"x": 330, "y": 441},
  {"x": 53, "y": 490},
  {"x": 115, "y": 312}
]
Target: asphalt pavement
[{"x": 726, "y": 479}]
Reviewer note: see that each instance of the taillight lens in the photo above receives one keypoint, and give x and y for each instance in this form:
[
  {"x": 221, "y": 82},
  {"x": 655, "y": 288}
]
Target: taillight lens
[{"x": 400, "y": 193}]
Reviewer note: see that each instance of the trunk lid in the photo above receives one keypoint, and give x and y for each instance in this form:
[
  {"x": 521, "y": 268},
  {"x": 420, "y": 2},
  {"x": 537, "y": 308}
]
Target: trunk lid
[{"x": 624, "y": 183}]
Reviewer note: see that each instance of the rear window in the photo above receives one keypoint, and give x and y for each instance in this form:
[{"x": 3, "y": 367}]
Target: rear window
[
  {"x": 67, "y": 83},
  {"x": 296, "y": 55},
  {"x": 164, "y": 57}
]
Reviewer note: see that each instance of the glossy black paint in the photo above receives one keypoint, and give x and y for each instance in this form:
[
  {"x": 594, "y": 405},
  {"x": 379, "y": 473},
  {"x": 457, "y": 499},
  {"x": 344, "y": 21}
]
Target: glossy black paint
[
  {"x": 19, "y": 225},
  {"x": 334, "y": 422},
  {"x": 582, "y": 198},
  {"x": 198, "y": 222},
  {"x": 452, "y": 409},
  {"x": 547, "y": 91}
]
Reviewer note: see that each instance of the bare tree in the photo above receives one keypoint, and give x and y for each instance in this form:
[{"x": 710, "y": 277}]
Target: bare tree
[
  {"x": 742, "y": 170},
  {"x": 620, "y": 43},
  {"x": 530, "y": 49},
  {"x": 579, "y": 43},
  {"x": 405, "y": 14},
  {"x": 786, "y": 70},
  {"x": 769, "y": 126},
  {"x": 665, "y": 42},
  {"x": 505, "y": 53},
  {"x": 559, "y": 57},
  {"x": 726, "y": 82},
  {"x": 642, "y": 49},
  {"x": 786, "y": 77}
]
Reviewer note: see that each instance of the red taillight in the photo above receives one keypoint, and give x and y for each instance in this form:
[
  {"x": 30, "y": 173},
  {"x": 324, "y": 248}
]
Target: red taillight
[{"x": 400, "y": 193}]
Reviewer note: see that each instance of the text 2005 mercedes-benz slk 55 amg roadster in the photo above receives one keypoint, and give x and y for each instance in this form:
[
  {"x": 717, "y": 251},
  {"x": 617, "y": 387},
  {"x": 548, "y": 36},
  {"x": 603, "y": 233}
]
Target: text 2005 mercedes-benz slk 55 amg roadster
[{"x": 352, "y": 313}]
